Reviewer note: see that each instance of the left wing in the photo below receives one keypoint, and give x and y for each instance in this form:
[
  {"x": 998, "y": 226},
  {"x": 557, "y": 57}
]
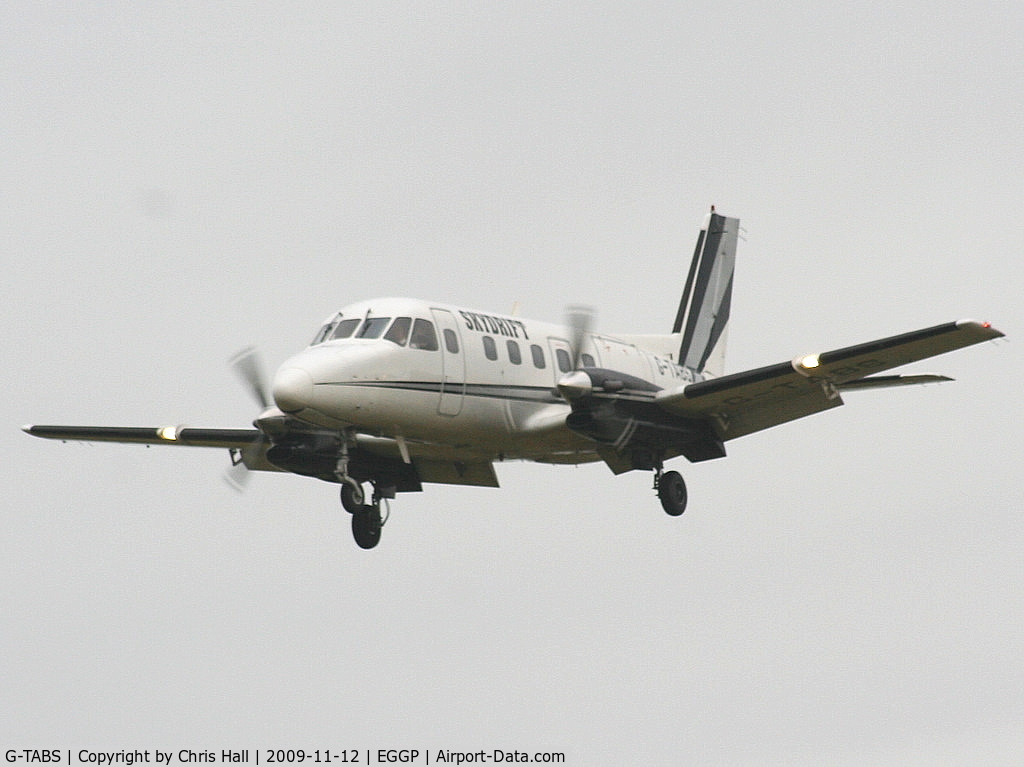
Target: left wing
[{"x": 743, "y": 403}]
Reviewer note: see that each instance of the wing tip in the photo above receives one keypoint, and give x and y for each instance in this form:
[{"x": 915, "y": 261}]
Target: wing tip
[{"x": 984, "y": 327}]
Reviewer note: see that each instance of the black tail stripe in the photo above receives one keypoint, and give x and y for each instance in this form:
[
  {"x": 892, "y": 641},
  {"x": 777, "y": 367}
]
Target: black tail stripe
[{"x": 681, "y": 314}]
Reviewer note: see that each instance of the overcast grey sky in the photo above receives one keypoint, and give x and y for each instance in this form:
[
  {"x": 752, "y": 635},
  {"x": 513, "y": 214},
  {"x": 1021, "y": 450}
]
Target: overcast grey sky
[{"x": 178, "y": 180}]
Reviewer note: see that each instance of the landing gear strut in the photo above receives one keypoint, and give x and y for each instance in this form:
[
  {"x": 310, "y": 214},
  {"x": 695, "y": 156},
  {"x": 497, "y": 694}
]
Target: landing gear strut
[
  {"x": 671, "y": 490},
  {"x": 366, "y": 517}
]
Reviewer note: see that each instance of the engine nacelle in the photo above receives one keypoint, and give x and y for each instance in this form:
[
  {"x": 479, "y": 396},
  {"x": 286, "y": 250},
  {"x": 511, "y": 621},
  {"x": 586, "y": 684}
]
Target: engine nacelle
[{"x": 645, "y": 429}]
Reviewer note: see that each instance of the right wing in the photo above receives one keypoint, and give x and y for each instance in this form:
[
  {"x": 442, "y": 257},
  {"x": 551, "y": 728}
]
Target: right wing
[
  {"x": 163, "y": 435},
  {"x": 433, "y": 463},
  {"x": 250, "y": 444},
  {"x": 743, "y": 403}
]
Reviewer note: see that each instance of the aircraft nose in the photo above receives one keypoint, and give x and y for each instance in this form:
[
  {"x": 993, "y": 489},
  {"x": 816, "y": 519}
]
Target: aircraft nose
[{"x": 292, "y": 389}]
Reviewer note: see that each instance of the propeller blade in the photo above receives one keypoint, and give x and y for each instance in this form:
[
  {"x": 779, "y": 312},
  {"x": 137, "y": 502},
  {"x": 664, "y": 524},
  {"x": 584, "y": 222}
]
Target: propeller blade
[
  {"x": 248, "y": 368},
  {"x": 579, "y": 319}
]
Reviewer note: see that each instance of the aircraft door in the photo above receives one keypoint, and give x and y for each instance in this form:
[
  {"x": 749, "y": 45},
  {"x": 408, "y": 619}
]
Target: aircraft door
[{"x": 453, "y": 363}]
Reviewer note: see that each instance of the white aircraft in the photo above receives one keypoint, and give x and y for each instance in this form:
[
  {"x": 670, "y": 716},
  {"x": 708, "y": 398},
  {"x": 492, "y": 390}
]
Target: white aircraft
[{"x": 397, "y": 392}]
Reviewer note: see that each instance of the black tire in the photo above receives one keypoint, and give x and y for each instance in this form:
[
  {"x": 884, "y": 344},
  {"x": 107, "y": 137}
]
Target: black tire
[
  {"x": 351, "y": 503},
  {"x": 672, "y": 492},
  {"x": 366, "y": 527}
]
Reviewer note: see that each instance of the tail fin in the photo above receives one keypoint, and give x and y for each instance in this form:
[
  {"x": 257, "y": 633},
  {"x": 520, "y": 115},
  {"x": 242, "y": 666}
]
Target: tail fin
[{"x": 703, "y": 315}]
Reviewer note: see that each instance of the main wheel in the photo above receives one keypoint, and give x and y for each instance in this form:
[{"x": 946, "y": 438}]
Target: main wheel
[
  {"x": 672, "y": 492},
  {"x": 366, "y": 527},
  {"x": 352, "y": 497}
]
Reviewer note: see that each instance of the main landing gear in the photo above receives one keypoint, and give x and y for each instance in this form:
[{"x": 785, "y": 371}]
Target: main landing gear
[
  {"x": 671, "y": 490},
  {"x": 367, "y": 519}
]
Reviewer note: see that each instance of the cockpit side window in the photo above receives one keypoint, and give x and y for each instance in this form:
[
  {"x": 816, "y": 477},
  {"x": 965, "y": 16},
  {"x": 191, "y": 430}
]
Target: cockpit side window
[
  {"x": 399, "y": 331},
  {"x": 345, "y": 328},
  {"x": 322, "y": 334},
  {"x": 326, "y": 329},
  {"x": 423, "y": 336},
  {"x": 374, "y": 327}
]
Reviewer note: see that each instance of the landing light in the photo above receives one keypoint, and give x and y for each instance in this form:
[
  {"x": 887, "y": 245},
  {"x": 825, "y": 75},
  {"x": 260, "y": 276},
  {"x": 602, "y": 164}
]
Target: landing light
[
  {"x": 170, "y": 433},
  {"x": 810, "y": 361}
]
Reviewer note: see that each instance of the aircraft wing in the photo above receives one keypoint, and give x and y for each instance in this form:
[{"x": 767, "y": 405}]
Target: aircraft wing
[
  {"x": 163, "y": 435},
  {"x": 250, "y": 444},
  {"x": 743, "y": 403}
]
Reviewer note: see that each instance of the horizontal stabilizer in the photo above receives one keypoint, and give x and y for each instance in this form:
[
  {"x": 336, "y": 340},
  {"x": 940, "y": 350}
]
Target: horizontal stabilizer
[{"x": 885, "y": 382}]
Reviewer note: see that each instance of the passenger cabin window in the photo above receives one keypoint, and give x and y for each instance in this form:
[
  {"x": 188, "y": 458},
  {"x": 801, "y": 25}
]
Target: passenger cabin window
[
  {"x": 564, "y": 363},
  {"x": 374, "y": 327},
  {"x": 451, "y": 341},
  {"x": 538, "y": 356},
  {"x": 423, "y": 336},
  {"x": 588, "y": 361},
  {"x": 514, "y": 355},
  {"x": 490, "y": 349},
  {"x": 345, "y": 328},
  {"x": 398, "y": 333}
]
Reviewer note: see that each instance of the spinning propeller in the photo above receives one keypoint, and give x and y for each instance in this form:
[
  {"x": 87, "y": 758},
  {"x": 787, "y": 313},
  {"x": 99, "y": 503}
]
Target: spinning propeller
[
  {"x": 576, "y": 383},
  {"x": 247, "y": 366}
]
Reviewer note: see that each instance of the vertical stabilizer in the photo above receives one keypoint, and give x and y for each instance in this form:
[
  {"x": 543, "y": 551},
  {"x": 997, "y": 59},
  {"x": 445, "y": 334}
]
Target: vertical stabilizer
[{"x": 703, "y": 315}]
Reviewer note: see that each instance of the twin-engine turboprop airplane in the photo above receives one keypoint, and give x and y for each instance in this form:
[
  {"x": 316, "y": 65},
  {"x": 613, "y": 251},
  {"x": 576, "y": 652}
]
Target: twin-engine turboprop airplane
[{"x": 396, "y": 392}]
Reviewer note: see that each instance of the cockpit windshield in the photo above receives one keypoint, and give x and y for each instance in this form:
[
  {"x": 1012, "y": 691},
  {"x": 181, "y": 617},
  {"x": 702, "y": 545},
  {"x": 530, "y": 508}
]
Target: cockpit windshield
[
  {"x": 373, "y": 327},
  {"x": 417, "y": 333},
  {"x": 336, "y": 327},
  {"x": 345, "y": 329}
]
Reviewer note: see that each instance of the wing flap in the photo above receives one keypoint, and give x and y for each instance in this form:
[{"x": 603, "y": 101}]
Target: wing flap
[
  {"x": 743, "y": 403},
  {"x": 442, "y": 472}
]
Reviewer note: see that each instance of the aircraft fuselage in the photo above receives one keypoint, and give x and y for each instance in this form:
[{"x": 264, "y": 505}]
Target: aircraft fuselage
[{"x": 482, "y": 383}]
